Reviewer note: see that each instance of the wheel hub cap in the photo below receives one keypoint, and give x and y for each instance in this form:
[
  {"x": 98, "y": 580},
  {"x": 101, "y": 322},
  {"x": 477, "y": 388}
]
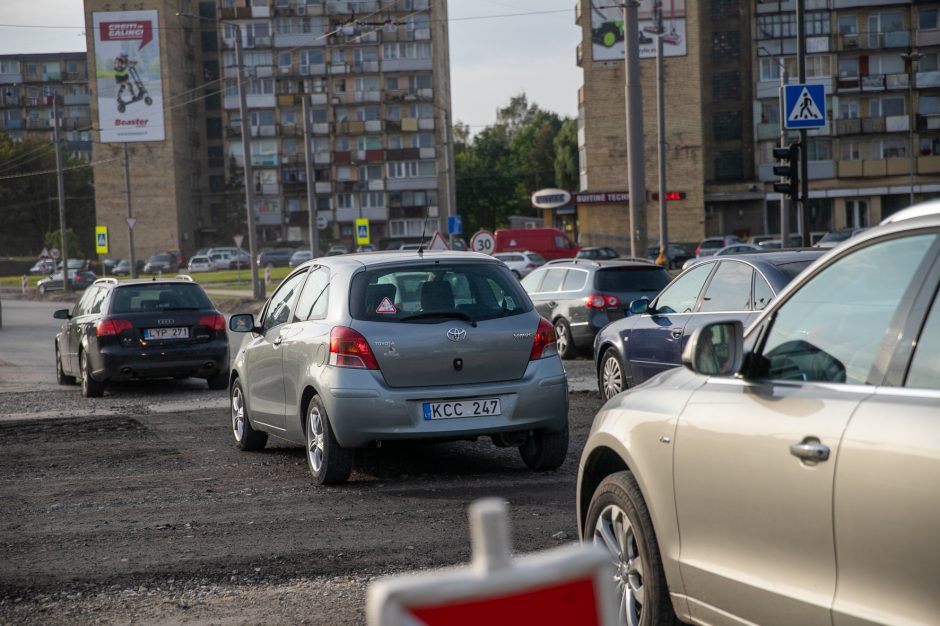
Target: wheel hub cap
[{"x": 615, "y": 533}]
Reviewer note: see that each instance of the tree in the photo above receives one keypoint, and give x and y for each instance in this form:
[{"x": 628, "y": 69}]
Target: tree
[
  {"x": 567, "y": 170},
  {"x": 29, "y": 208}
]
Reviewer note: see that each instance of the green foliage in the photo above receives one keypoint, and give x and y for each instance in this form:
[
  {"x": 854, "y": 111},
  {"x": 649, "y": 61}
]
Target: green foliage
[
  {"x": 567, "y": 170},
  {"x": 29, "y": 206},
  {"x": 498, "y": 169},
  {"x": 54, "y": 240}
]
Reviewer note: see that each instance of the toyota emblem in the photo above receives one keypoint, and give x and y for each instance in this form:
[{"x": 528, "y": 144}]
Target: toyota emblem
[{"x": 456, "y": 334}]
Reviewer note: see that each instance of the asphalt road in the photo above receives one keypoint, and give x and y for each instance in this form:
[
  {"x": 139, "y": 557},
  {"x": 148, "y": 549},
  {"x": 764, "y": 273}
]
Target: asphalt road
[{"x": 136, "y": 507}]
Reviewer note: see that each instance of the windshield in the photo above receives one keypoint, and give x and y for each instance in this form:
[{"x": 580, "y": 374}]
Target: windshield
[
  {"x": 651, "y": 279},
  {"x": 428, "y": 292}
]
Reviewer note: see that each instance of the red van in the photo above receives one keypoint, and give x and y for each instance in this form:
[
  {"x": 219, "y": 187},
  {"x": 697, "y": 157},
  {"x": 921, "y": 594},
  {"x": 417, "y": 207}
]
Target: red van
[{"x": 551, "y": 243}]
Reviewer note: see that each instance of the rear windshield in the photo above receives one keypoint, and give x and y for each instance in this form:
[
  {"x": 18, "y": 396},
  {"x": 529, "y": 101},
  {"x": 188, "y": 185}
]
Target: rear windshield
[
  {"x": 429, "y": 292},
  {"x": 160, "y": 297},
  {"x": 160, "y": 257},
  {"x": 715, "y": 243},
  {"x": 793, "y": 269},
  {"x": 839, "y": 235},
  {"x": 651, "y": 279}
]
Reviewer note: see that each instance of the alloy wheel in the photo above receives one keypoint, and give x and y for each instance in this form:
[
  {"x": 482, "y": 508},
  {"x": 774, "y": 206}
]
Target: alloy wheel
[
  {"x": 615, "y": 533},
  {"x": 238, "y": 413},
  {"x": 612, "y": 377},
  {"x": 561, "y": 334},
  {"x": 315, "y": 443}
]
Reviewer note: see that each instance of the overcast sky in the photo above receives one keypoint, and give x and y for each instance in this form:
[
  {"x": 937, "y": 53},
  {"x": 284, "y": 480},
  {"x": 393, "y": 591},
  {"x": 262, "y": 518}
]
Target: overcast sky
[{"x": 492, "y": 58}]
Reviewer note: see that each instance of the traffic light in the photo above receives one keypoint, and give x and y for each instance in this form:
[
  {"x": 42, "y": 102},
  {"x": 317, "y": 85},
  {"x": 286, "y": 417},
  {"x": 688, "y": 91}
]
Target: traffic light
[{"x": 789, "y": 169}]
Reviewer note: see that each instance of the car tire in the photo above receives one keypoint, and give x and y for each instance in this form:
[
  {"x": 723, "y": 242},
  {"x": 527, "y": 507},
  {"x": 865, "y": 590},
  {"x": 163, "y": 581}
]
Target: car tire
[
  {"x": 91, "y": 388},
  {"x": 619, "y": 522},
  {"x": 246, "y": 438},
  {"x": 60, "y": 375},
  {"x": 545, "y": 450},
  {"x": 611, "y": 378},
  {"x": 566, "y": 348},
  {"x": 219, "y": 381},
  {"x": 329, "y": 463}
]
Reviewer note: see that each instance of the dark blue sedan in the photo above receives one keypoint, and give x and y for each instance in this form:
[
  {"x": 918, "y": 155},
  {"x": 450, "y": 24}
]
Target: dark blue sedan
[{"x": 631, "y": 350}]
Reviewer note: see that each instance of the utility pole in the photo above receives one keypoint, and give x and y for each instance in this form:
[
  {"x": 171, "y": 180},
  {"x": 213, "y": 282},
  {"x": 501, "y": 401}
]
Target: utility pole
[
  {"x": 636, "y": 162},
  {"x": 130, "y": 214},
  {"x": 912, "y": 57},
  {"x": 308, "y": 166},
  {"x": 784, "y": 202},
  {"x": 661, "y": 128},
  {"x": 257, "y": 287},
  {"x": 804, "y": 146},
  {"x": 60, "y": 184},
  {"x": 449, "y": 180}
]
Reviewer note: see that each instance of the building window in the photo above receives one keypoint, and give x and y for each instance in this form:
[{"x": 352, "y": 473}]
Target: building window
[
  {"x": 367, "y": 114},
  {"x": 770, "y": 112},
  {"x": 886, "y": 106},
  {"x": 367, "y": 83},
  {"x": 728, "y": 166},
  {"x": 927, "y": 19},
  {"x": 817, "y": 23},
  {"x": 848, "y": 68},
  {"x": 819, "y": 150},
  {"x": 345, "y": 201},
  {"x": 849, "y": 151},
  {"x": 928, "y": 105},
  {"x": 776, "y": 26},
  {"x": 372, "y": 199},
  {"x": 848, "y": 108},
  {"x": 726, "y": 45},
  {"x": 411, "y": 228},
  {"x": 848, "y": 24},
  {"x": 724, "y": 9},
  {"x": 369, "y": 142},
  {"x": 370, "y": 172},
  {"x": 893, "y": 148},
  {"x": 727, "y": 125},
  {"x": 726, "y": 86}
]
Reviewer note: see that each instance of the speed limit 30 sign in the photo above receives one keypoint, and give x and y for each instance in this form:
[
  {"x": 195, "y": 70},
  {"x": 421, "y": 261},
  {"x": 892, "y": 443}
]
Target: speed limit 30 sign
[{"x": 483, "y": 241}]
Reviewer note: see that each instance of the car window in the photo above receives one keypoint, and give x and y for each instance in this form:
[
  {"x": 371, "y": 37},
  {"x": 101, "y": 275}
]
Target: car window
[
  {"x": 279, "y": 308},
  {"x": 714, "y": 243},
  {"x": 925, "y": 368},
  {"x": 680, "y": 296},
  {"x": 531, "y": 282},
  {"x": 536, "y": 258},
  {"x": 97, "y": 300},
  {"x": 159, "y": 297},
  {"x": 574, "y": 280},
  {"x": 315, "y": 296},
  {"x": 763, "y": 294},
  {"x": 553, "y": 280},
  {"x": 729, "y": 288},
  {"x": 562, "y": 242},
  {"x": 831, "y": 328},
  {"x": 83, "y": 306},
  {"x": 650, "y": 279},
  {"x": 417, "y": 292}
]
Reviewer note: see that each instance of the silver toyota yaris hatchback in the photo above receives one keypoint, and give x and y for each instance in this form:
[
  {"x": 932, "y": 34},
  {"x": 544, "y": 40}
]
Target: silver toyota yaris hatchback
[{"x": 354, "y": 350}]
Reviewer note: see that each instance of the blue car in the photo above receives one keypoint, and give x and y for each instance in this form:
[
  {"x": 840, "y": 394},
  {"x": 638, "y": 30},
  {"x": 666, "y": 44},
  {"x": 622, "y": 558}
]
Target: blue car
[{"x": 649, "y": 341}]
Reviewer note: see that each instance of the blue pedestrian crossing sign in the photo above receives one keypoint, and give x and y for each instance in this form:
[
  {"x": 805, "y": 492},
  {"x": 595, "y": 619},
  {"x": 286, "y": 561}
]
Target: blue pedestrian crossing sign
[
  {"x": 362, "y": 231},
  {"x": 804, "y": 106},
  {"x": 101, "y": 240},
  {"x": 454, "y": 225}
]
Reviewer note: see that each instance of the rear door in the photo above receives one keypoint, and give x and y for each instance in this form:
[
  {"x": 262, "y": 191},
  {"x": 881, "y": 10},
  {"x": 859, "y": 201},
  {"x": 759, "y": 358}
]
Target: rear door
[
  {"x": 471, "y": 323},
  {"x": 728, "y": 295},
  {"x": 547, "y": 284},
  {"x": 656, "y": 340}
]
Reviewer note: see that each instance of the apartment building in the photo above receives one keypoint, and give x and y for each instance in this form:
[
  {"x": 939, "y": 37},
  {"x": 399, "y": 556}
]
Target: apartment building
[
  {"x": 27, "y": 82},
  {"x": 376, "y": 78},
  {"x": 710, "y": 179},
  {"x": 878, "y": 61}
]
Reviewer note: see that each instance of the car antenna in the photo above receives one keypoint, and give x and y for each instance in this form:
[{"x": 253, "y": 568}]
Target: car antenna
[{"x": 424, "y": 229}]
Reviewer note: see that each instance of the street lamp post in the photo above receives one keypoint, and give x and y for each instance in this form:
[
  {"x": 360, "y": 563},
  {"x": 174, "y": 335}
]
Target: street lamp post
[
  {"x": 257, "y": 287},
  {"x": 912, "y": 58}
]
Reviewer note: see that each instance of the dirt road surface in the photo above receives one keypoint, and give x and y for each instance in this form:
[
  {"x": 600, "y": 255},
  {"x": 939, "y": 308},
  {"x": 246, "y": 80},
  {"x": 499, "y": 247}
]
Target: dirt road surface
[{"x": 140, "y": 510}]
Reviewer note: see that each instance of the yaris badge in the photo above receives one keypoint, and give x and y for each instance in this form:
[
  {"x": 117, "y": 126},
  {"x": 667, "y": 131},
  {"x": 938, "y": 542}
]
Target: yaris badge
[{"x": 456, "y": 334}]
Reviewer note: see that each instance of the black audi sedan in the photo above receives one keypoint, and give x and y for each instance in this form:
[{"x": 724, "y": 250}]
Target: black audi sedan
[{"x": 140, "y": 329}]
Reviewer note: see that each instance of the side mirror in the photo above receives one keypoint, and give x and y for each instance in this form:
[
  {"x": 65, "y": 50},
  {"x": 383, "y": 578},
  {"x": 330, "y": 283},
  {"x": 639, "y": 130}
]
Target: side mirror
[
  {"x": 62, "y": 314},
  {"x": 715, "y": 349},
  {"x": 242, "y": 323},
  {"x": 640, "y": 306}
]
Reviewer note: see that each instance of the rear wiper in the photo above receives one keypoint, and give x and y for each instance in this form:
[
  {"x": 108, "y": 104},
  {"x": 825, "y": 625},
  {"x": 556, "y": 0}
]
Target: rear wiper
[{"x": 460, "y": 315}]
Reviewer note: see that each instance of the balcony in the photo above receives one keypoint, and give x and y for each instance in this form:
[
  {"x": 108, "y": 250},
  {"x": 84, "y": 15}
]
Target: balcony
[
  {"x": 928, "y": 38},
  {"x": 405, "y": 184},
  {"x": 928, "y": 122},
  {"x": 927, "y": 79},
  {"x": 873, "y": 83},
  {"x": 322, "y": 158},
  {"x": 323, "y": 187},
  {"x": 228, "y": 13},
  {"x": 873, "y": 125},
  {"x": 769, "y": 130},
  {"x": 848, "y": 126},
  {"x": 874, "y": 40},
  {"x": 897, "y": 123},
  {"x": 818, "y": 170},
  {"x": 374, "y": 126},
  {"x": 377, "y": 214},
  {"x": 928, "y": 164},
  {"x": 11, "y": 79},
  {"x": 71, "y": 99}
]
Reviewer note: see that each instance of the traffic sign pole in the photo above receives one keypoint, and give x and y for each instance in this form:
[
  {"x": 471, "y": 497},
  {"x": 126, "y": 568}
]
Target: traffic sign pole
[{"x": 804, "y": 153}]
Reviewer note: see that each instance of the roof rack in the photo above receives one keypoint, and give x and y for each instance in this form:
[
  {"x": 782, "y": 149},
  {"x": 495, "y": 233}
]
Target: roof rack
[
  {"x": 107, "y": 280},
  {"x": 185, "y": 277},
  {"x": 572, "y": 260}
]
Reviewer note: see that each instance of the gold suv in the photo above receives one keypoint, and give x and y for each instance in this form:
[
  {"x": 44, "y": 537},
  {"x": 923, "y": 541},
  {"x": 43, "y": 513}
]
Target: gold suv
[{"x": 789, "y": 474}]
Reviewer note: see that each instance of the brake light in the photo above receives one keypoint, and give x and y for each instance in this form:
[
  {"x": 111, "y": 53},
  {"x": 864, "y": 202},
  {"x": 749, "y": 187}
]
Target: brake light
[
  {"x": 698, "y": 249},
  {"x": 111, "y": 328},
  {"x": 349, "y": 348},
  {"x": 212, "y": 322},
  {"x": 544, "y": 338},
  {"x": 600, "y": 301}
]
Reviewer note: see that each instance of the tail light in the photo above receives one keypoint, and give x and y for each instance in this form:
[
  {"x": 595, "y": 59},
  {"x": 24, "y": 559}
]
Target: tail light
[
  {"x": 213, "y": 321},
  {"x": 349, "y": 348},
  {"x": 544, "y": 338},
  {"x": 112, "y": 328},
  {"x": 698, "y": 249},
  {"x": 600, "y": 301}
]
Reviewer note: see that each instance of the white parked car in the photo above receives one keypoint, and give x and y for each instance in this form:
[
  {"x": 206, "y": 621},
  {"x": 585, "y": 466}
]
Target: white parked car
[
  {"x": 201, "y": 263},
  {"x": 521, "y": 263}
]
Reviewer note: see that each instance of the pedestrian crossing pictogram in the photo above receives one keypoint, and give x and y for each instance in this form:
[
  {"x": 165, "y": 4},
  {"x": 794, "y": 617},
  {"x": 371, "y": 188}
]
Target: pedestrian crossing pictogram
[{"x": 804, "y": 106}]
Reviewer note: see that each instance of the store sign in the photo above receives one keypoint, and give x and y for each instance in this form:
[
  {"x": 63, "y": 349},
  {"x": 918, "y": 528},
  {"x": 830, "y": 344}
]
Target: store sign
[
  {"x": 550, "y": 198},
  {"x": 602, "y": 197}
]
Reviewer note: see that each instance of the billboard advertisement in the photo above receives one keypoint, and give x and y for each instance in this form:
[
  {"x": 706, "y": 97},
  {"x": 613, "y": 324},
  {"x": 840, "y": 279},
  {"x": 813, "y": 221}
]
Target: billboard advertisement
[
  {"x": 128, "y": 76},
  {"x": 657, "y": 18}
]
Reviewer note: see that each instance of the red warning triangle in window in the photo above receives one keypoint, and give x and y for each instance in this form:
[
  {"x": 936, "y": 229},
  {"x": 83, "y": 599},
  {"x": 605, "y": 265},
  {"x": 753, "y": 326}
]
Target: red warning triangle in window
[{"x": 386, "y": 306}]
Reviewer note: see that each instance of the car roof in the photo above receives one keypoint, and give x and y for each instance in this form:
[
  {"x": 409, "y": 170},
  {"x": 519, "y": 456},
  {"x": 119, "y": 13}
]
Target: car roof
[
  {"x": 601, "y": 263},
  {"x": 924, "y": 209},
  {"x": 380, "y": 257}
]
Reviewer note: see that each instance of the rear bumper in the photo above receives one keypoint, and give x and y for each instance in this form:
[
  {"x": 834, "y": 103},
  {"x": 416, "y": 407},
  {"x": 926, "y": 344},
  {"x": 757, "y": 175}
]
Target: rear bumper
[
  {"x": 363, "y": 409},
  {"x": 118, "y": 363}
]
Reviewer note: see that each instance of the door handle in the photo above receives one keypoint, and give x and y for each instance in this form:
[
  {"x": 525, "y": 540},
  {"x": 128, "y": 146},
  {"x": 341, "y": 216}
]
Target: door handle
[
  {"x": 677, "y": 334},
  {"x": 810, "y": 449},
  {"x": 279, "y": 339}
]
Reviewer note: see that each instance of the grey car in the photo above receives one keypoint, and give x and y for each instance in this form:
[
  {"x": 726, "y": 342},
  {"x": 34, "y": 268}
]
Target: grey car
[
  {"x": 787, "y": 474},
  {"x": 631, "y": 350},
  {"x": 351, "y": 351}
]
